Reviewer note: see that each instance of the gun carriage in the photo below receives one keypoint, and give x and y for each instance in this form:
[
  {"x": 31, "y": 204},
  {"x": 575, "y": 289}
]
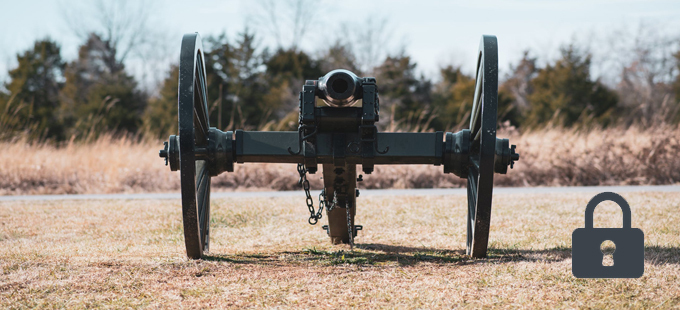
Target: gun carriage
[{"x": 338, "y": 135}]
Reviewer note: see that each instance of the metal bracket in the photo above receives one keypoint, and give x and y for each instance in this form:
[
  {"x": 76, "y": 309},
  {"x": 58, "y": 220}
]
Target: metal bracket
[
  {"x": 356, "y": 229},
  {"x": 303, "y": 137}
]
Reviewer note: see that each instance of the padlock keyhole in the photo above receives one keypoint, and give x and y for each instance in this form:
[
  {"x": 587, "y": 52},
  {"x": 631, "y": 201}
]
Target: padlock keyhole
[{"x": 607, "y": 248}]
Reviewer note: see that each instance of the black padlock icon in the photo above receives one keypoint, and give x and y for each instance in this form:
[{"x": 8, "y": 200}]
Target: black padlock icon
[{"x": 629, "y": 255}]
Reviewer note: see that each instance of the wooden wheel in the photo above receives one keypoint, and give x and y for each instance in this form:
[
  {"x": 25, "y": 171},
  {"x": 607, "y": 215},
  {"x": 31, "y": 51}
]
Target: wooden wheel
[
  {"x": 482, "y": 147},
  {"x": 193, "y": 135}
]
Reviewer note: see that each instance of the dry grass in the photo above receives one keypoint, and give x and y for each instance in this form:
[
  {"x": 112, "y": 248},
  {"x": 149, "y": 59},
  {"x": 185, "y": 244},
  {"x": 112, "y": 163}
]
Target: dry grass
[
  {"x": 552, "y": 157},
  {"x": 119, "y": 254}
]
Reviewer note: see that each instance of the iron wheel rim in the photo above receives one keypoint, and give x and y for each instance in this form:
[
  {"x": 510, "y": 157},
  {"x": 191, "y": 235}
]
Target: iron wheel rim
[
  {"x": 193, "y": 134},
  {"x": 482, "y": 148}
]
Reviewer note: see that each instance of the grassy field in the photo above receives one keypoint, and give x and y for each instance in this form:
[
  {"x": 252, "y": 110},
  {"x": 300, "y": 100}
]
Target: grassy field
[
  {"x": 130, "y": 253},
  {"x": 549, "y": 157}
]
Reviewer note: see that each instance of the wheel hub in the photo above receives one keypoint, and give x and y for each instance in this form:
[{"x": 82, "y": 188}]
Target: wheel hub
[{"x": 171, "y": 152}]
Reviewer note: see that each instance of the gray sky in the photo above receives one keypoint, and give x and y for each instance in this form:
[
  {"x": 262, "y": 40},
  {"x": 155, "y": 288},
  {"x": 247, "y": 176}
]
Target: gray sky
[{"x": 432, "y": 32}]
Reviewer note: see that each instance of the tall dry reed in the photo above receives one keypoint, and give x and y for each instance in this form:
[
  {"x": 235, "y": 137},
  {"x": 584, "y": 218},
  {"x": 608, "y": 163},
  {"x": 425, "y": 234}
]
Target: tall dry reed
[{"x": 550, "y": 157}]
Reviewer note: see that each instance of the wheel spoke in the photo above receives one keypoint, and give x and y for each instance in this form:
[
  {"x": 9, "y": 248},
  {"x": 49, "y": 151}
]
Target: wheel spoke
[
  {"x": 200, "y": 134},
  {"x": 203, "y": 206},
  {"x": 202, "y": 191},
  {"x": 200, "y": 104},
  {"x": 473, "y": 181},
  {"x": 478, "y": 98},
  {"x": 477, "y": 136},
  {"x": 476, "y": 131}
]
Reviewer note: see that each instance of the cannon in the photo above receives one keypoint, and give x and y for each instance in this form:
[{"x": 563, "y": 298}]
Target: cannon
[{"x": 337, "y": 131}]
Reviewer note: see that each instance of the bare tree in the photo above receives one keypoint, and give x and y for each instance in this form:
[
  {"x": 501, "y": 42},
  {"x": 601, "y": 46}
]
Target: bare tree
[
  {"x": 286, "y": 21},
  {"x": 289, "y": 22},
  {"x": 128, "y": 28},
  {"x": 368, "y": 41},
  {"x": 644, "y": 61},
  {"x": 338, "y": 56},
  {"x": 519, "y": 81},
  {"x": 122, "y": 23}
]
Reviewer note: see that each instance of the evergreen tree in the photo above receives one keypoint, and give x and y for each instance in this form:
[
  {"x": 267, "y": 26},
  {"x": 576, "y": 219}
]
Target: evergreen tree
[
  {"x": 286, "y": 73},
  {"x": 160, "y": 117},
  {"x": 221, "y": 73},
  {"x": 565, "y": 94},
  {"x": 34, "y": 92},
  {"x": 338, "y": 56},
  {"x": 293, "y": 64},
  {"x": 237, "y": 69},
  {"x": 404, "y": 93},
  {"x": 238, "y": 94},
  {"x": 453, "y": 98},
  {"x": 99, "y": 96}
]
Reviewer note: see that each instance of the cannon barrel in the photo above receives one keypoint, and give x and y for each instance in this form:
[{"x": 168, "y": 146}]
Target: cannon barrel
[{"x": 339, "y": 88}]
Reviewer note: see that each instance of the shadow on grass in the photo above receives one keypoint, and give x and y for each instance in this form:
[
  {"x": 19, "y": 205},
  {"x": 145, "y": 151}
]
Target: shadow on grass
[{"x": 382, "y": 254}]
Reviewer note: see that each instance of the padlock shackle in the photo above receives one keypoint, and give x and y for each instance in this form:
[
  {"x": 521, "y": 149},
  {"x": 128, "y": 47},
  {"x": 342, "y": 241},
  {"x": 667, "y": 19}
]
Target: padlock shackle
[{"x": 607, "y": 196}]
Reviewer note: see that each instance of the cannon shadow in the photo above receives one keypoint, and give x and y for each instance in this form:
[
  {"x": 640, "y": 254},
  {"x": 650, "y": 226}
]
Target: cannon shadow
[{"x": 383, "y": 254}]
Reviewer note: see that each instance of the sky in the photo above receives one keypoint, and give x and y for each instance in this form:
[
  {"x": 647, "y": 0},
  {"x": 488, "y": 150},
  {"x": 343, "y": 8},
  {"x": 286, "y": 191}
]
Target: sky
[{"x": 434, "y": 33}]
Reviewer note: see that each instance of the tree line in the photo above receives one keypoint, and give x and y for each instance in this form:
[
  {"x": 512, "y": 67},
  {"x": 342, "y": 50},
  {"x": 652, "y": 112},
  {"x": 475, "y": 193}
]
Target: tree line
[{"x": 250, "y": 87}]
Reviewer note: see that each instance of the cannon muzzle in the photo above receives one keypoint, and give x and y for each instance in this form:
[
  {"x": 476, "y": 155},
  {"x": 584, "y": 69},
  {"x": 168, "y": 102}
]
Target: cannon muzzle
[{"x": 339, "y": 88}]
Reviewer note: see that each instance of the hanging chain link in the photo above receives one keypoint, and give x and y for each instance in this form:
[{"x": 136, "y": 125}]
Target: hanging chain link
[
  {"x": 315, "y": 215},
  {"x": 323, "y": 200}
]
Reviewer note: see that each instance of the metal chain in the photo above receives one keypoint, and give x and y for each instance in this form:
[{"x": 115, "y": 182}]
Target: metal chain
[
  {"x": 323, "y": 201},
  {"x": 318, "y": 215},
  {"x": 314, "y": 217},
  {"x": 329, "y": 205}
]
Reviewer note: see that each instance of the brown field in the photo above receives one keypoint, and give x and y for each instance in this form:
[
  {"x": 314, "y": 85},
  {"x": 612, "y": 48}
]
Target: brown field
[
  {"x": 551, "y": 157},
  {"x": 130, "y": 253}
]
